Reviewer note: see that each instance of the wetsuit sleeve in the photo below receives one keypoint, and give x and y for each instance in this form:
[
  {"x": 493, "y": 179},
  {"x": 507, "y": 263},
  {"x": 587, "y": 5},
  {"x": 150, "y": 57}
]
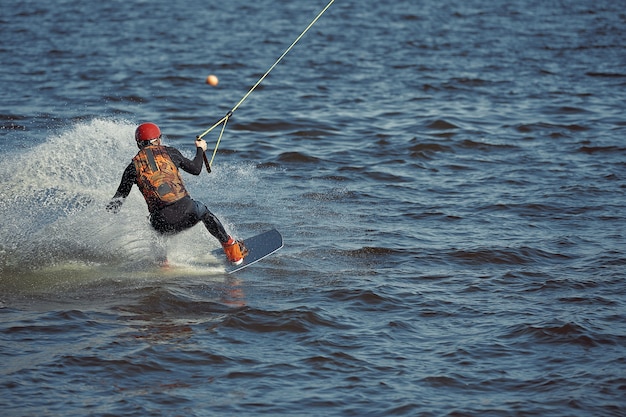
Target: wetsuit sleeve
[
  {"x": 128, "y": 179},
  {"x": 192, "y": 166}
]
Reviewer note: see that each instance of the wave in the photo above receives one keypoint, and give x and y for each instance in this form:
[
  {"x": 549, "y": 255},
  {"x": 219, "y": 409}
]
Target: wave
[
  {"x": 11, "y": 122},
  {"x": 605, "y": 74},
  {"x": 366, "y": 300},
  {"x": 563, "y": 333},
  {"x": 485, "y": 146},
  {"x": 543, "y": 126},
  {"x": 297, "y": 157},
  {"x": 427, "y": 150},
  {"x": 440, "y": 124},
  {"x": 334, "y": 194},
  {"x": 509, "y": 256},
  {"x": 368, "y": 251},
  {"x": 590, "y": 150},
  {"x": 297, "y": 320},
  {"x": 297, "y": 127},
  {"x": 168, "y": 298}
]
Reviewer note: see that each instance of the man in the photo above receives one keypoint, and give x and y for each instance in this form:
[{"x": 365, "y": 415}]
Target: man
[{"x": 155, "y": 171}]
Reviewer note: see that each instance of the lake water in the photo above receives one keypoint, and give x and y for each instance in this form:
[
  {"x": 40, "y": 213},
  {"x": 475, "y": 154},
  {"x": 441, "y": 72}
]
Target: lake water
[{"x": 449, "y": 177}]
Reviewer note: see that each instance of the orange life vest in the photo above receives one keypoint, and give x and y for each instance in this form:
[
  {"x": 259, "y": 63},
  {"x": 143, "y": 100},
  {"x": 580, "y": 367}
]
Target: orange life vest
[{"x": 158, "y": 178}]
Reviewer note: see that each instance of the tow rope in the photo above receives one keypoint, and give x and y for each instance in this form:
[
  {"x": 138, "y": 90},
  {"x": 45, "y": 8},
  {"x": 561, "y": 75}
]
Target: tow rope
[{"x": 224, "y": 119}]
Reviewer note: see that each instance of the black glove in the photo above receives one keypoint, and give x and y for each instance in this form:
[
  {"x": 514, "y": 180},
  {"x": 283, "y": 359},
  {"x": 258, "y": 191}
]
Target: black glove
[{"x": 114, "y": 205}]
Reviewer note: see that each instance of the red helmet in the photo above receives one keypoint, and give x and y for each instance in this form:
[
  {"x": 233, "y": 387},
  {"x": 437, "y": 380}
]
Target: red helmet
[{"x": 147, "y": 132}]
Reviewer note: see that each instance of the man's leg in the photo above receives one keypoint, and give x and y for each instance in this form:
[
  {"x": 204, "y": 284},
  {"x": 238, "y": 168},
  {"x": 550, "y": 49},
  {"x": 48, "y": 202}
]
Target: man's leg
[
  {"x": 211, "y": 222},
  {"x": 235, "y": 250}
]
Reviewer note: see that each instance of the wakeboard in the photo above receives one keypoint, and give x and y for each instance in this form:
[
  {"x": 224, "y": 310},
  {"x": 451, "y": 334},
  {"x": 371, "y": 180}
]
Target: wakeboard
[{"x": 259, "y": 247}]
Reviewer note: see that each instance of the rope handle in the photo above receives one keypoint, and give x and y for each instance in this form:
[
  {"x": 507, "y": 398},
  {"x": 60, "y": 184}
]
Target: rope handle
[{"x": 208, "y": 164}]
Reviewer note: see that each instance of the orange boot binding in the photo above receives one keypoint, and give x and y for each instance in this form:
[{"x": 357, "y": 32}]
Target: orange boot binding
[{"x": 235, "y": 251}]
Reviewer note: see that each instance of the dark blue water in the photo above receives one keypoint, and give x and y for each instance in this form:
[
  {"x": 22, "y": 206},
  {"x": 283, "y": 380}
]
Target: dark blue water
[{"x": 449, "y": 177}]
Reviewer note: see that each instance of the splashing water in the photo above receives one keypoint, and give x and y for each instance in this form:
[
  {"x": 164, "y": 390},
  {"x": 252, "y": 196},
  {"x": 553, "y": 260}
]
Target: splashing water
[{"x": 53, "y": 208}]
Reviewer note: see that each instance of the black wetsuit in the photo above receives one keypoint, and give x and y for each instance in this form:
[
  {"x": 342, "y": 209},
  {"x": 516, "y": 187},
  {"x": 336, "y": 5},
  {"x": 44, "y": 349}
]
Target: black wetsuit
[{"x": 181, "y": 214}]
